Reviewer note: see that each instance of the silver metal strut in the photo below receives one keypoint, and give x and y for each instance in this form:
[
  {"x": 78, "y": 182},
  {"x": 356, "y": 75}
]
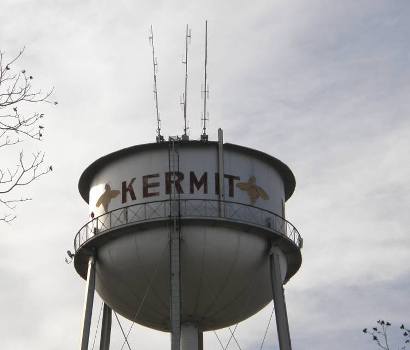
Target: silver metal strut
[
  {"x": 191, "y": 337},
  {"x": 88, "y": 304},
  {"x": 221, "y": 187},
  {"x": 106, "y": 328},
  {"x": 282, "y": 323},
  {"x": 175, "y": 236}
]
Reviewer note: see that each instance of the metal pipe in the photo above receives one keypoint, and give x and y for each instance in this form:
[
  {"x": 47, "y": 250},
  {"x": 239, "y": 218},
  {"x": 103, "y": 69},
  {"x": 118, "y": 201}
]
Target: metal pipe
[
  {"x": 174, "y": 255},
  {"x": 187, "y": 36},
  {"x": 221, "y": 172},
  {"x": 191, "y": 337},
  {"x": 106, "y": 328},
  {"x": 88, "y": 304},
  {"x": 205, "y": 92},
  {"x": 282, "y": 323},
  {"x": 200, "y": 340}
]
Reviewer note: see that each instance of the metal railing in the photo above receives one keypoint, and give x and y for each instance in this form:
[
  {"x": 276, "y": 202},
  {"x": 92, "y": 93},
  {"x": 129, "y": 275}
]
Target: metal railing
[{"x": 188, "y": 208}]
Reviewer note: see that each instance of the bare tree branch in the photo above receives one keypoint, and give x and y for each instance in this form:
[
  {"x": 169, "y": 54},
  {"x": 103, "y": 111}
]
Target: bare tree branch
[
  {"x": 7, "y": 218},
  {"x": 379, "y": 335},
  {"x": 18, "y": 125}
]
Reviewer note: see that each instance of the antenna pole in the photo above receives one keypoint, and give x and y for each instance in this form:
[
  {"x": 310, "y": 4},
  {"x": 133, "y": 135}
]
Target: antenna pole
[
  {"x": 160, "y": 138},
  {"x": 185, "y": 61},
  {"x": 204, "y": 136}
]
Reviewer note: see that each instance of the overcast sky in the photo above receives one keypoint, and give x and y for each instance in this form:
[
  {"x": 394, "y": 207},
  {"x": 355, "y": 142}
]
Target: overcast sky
[{"x": 321, "y": 85}]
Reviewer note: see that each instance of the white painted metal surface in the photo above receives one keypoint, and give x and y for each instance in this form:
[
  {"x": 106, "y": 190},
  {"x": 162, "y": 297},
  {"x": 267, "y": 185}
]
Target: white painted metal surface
[
  {"x": 142, "y": 176},
  {"x": 225, "y": 266}
]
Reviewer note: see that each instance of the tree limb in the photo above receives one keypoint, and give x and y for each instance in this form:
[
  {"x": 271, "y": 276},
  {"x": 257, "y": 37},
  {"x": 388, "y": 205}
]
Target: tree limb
[{"x": 16, "y": 126}]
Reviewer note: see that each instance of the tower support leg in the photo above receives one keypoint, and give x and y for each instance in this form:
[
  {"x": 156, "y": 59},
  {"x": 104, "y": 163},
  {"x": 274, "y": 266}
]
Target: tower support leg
[
  {"x": 282, "y": 323},
  {"x": 191, "y": 337},
  {"x": 200, "y": 340},
  {"x": 106, "y": 328},
  {"x": 88, "y": 304}
]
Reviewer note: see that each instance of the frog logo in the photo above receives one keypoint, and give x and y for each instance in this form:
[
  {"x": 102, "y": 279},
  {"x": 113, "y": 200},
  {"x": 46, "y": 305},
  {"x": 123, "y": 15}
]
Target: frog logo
[
  {"x": 106, "y": 197},
  {"x": 254, "y": 191}
]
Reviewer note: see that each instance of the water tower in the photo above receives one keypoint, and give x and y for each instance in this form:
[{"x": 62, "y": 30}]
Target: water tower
[{"x": 185, "y": 237}]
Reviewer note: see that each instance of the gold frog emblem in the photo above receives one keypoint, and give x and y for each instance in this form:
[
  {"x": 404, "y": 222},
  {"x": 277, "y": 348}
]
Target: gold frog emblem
[
  {"x": 254, "y": 191},
  {"x": 106, "y": 197}
]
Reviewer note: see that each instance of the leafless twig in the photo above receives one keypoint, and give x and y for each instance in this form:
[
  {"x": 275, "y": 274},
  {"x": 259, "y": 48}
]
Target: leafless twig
[{"x": 18, "y": 125}]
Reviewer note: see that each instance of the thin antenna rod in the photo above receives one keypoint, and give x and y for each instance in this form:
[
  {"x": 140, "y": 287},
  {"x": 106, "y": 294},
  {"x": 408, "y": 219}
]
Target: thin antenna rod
[
  {"x": 155, "y": 64},
  {"x": 205, "y": 91},
  {"x": 185, "y": 61}
]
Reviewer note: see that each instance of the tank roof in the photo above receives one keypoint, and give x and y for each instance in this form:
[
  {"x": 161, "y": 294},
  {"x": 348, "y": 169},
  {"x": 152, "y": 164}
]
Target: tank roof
[{"x": 89, "y": 173}]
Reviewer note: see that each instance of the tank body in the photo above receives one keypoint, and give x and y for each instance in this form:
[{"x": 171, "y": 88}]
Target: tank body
[{"x": 224, "y": 257}]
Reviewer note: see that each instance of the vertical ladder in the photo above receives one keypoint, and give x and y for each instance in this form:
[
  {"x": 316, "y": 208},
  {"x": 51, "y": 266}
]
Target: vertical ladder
[{"x": 175, "y": 238}]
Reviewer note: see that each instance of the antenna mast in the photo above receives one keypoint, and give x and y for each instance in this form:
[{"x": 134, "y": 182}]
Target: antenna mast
[
  {"x": 205, "y": 91},
  {"x": 159, "y": 137},
  {"x": 185, "y": 61}
]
